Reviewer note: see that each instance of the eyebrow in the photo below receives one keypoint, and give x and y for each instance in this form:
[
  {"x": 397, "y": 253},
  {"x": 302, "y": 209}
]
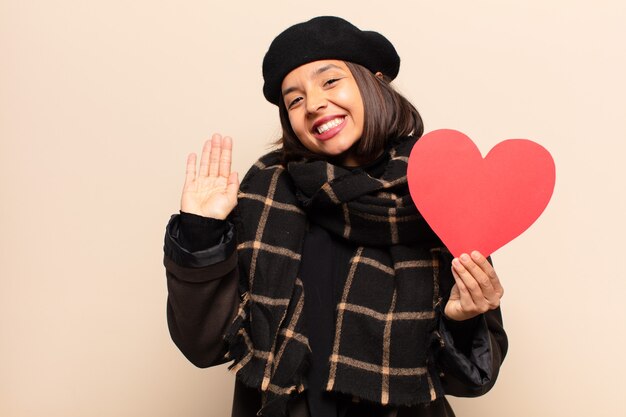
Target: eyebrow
[{"x": 315, "y": 73}]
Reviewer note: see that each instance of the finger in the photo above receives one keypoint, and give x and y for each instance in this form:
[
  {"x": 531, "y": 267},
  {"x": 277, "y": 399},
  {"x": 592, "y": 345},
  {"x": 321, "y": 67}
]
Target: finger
[
  {"x": 477, "y": 271},
  {"x": 190, "y": 172},
  {"x": 232, "y": 186},
  {"x": 483, "y": 279},
  {"x": 488, "y": 269},
  {"x": 454, "y": 293},
  {"x": 214, "y": 157},
  {"x": 204, "y": 159},
  {"x": 475, "y": 265},
  {"x": 465, "y": 298},
  {"x": 225, "y": 158},
  {"x": 473, "y": 287}
]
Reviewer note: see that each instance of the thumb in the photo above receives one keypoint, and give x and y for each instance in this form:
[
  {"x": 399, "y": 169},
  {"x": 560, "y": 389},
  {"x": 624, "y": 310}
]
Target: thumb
[
  {"x": 232, "y": 186},
  {"x": 454, "y": 293}
]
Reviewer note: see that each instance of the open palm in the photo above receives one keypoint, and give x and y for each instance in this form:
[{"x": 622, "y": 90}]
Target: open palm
[{"x": 212, "y": 190}]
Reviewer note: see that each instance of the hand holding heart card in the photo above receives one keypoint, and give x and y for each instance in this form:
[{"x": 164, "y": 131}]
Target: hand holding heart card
[{"x": 474, "y": 203}]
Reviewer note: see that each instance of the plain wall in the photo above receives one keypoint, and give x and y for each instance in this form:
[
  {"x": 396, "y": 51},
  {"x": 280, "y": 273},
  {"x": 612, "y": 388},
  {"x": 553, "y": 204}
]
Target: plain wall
[{"x": 100, "y": 102}]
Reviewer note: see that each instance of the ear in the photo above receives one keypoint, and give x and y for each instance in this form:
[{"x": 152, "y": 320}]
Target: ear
[{"x": 379, "y": 75}]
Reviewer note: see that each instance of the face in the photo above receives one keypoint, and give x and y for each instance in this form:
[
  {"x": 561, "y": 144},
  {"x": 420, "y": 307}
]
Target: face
[{"x": 325, "y": 109}]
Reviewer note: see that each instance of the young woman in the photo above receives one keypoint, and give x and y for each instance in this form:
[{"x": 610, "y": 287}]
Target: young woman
[{"x": 317, "y": 276}]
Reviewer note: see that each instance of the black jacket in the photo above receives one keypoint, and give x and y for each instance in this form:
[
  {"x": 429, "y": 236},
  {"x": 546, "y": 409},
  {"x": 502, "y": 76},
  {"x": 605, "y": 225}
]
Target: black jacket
[{"x": 202, "y": 278}]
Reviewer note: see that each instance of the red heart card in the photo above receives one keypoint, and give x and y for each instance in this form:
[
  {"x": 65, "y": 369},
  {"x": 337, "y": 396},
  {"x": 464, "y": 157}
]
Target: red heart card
[{"x": 474, "y": 203}]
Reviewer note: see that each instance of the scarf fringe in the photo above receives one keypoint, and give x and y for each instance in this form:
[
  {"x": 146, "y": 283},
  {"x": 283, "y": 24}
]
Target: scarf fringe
[{"x": 272, "y": 404}]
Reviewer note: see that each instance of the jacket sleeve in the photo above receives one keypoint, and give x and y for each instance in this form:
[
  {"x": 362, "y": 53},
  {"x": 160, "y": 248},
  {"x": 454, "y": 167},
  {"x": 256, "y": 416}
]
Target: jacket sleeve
[
  {"x": 202, "y": 295},
  {"x": 472, "y": 353}
]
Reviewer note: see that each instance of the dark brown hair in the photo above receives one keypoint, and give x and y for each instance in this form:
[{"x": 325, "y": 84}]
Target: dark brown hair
[{"x": 387, "y": 115}]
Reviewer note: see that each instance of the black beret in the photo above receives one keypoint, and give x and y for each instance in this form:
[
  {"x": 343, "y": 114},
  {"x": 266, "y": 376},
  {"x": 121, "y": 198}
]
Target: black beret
[{"x": 325, "y": 37}]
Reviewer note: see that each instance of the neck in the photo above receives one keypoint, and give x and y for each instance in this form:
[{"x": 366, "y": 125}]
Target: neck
[{"x": 349, "y": 160}]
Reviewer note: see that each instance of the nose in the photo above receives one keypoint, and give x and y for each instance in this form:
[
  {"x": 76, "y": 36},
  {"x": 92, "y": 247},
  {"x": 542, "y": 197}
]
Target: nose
[{"x": 315, "y": 101}]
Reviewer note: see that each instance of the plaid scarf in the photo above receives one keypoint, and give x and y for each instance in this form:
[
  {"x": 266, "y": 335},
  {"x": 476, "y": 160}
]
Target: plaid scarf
[{"x": 385, "y": 319}]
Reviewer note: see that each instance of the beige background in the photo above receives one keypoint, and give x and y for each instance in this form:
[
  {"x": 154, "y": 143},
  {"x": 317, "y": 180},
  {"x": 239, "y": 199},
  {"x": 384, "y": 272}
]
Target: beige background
[{"x": 100, "y": 101}]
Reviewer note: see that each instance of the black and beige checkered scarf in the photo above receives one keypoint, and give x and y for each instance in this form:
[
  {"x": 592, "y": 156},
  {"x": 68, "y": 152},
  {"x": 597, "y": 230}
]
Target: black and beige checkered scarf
[{"x": 386, "y": 315}]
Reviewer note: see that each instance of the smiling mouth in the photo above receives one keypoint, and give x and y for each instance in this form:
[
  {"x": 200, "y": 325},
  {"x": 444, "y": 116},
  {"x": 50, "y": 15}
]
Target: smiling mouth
[{"x": 329, "y": 125}]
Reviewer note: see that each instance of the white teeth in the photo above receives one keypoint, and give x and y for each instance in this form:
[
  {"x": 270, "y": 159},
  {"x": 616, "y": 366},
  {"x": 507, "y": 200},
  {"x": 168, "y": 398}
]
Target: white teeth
[{"x": 329, "y": 125}]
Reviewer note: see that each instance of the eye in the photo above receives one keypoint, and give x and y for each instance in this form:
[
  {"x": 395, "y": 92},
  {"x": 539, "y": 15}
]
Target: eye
[
  {"x": 293, "y": 102},
  {"x": 331, "y": 81}
]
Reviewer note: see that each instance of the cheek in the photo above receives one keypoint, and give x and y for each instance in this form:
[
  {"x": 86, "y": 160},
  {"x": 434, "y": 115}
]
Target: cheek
[
  {"x": 295, "y": 122},
  {"x": 352, "y": 100},
  {"x": 359, "y": 118},
  {"x": 298, "y": 127}
]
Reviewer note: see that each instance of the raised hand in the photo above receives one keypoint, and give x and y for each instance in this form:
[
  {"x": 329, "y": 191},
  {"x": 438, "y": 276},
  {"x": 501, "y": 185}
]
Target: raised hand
[
  {"x": 477, "y": 289},
  {"x": 211, "y": 191}
]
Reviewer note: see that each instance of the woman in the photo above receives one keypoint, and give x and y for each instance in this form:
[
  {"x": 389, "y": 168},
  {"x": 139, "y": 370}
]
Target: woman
[{"x": 319, "y": 278}]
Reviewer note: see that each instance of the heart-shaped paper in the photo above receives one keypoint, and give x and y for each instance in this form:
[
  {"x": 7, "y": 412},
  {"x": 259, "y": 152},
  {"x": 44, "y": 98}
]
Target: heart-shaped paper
[{"x": 474, "y": 203}]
